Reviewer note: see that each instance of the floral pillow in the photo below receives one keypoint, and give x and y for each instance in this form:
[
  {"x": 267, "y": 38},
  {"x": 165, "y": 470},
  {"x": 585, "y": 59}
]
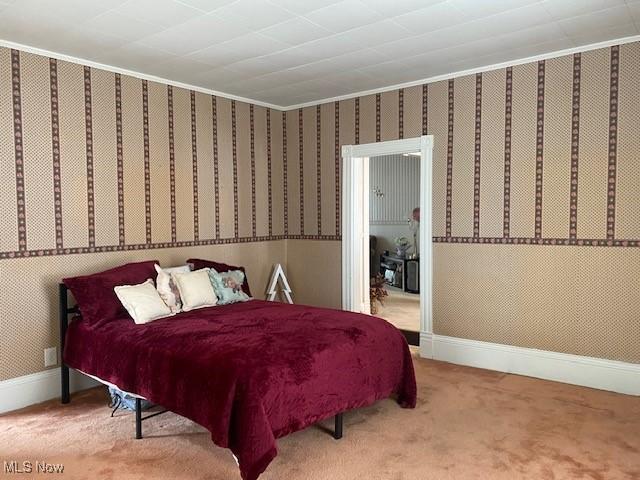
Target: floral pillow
[
  {"x": 228, "y": 286},
  {"x": 167, "y": 288}
]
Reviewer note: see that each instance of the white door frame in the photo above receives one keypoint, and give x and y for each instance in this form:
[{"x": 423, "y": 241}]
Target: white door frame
[{"x": 355, "y": 223}]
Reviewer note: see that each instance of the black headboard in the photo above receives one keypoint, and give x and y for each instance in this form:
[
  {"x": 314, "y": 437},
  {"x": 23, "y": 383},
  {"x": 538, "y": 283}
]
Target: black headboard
[{"x": 64, "y": 310}]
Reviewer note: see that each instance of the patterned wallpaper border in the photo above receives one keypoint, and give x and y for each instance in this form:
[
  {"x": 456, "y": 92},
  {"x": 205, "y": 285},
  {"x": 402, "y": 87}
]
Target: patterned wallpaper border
[
  {"x": 570, "y": 240},
  {"x": 556, "y": 242},
  {"x": 151, "y": 246}
]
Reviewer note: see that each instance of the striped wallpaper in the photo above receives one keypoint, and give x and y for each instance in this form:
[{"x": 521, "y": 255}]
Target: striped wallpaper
[
  {"x": 509, "y": 143},
  {"x": 139, "y": 136},
  {"x": 198, "y": 170},
  {"x": 205, "y": 170},
  {"x": 397, "y": 178}
]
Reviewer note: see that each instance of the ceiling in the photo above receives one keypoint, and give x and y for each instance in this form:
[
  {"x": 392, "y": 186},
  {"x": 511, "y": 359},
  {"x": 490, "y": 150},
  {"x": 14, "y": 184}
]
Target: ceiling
[{"x": 290, "y": 52}]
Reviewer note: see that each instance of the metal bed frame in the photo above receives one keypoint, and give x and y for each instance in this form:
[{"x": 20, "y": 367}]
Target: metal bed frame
[{"x": 64, "y": 312}]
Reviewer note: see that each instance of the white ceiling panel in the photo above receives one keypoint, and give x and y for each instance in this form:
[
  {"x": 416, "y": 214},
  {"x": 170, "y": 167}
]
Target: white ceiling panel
[
  {"x": 205, "y": 6},
  {"x": 70, "y": 11},
  {"x": 253, "y": 14},
  {"x": 287, "y": 52},
  {"x": 122, "y": 26},
  {"x": 255, "y": 67},
  {"x": 32, "y": 28},
  {"x": 223, "y": 77},
  {"x": 194, "y": 34},
  {"x": 296, "y": 31},
  {"x": 513, "y": 20},
  {"x": 273, "y": 80},
  {"x": 479, "y": 9},
  {"x": 378, "y": 33},
  {"x": 82, "y": 42},
  {"x": 183, "y": 66},
  {"x": 572, "y": 8},
  {"x": 398, "y": 7},
  {"x": 599, "y": 20},
  {"x": 352, "y": 78},
  {"x": 634, "y": 8},
  {"x": 435, "y": 17},
  {"x": 302, "y": 7},
  {"x": 247, "y": 46},
  {"x": 348, "y": 61},
  {"x": 345, "y": 15},
  {"x": 160, "y": 12},
  {"x": 519, "y": 52},
  {"x": 602, "y": 35},
  {"x": 134, "y": 56}
]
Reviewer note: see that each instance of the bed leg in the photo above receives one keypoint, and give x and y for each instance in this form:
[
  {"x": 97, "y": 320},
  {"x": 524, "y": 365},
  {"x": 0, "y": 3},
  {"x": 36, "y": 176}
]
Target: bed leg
[
  {"x": 337, "y": 432},
  {"x": 138, "y": 419},
  {"x": 64, "y": 370},
  {"x": 65, "y": 396}
]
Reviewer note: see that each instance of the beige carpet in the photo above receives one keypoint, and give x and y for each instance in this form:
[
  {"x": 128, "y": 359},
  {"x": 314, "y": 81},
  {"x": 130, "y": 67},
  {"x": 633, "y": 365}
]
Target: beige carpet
[
  {"x": 469, "y": 424},
  {"x": 401, "y": 309}
]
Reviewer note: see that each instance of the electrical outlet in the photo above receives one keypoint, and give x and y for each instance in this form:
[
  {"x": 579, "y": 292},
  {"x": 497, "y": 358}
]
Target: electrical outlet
[{"x": 50, "y": 356}]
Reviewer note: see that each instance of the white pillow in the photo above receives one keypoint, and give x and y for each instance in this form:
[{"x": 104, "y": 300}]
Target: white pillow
[
  {"x": 167, "y": 288},
  {"x": 195, "y": 289},
  {"x": 142, "y": 302}
]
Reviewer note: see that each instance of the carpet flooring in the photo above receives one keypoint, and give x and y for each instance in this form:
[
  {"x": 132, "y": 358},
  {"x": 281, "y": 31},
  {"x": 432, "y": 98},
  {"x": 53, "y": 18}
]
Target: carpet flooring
[{"x": 468, "y": 424}]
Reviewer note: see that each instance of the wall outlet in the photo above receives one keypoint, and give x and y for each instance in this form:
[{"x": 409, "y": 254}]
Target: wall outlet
[{"x": 50, "y": 356}]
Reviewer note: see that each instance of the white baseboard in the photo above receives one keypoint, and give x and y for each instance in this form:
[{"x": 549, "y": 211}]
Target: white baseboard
[
  {"x": 38, "y": 387},
  {"x": 591, "y": 372}
]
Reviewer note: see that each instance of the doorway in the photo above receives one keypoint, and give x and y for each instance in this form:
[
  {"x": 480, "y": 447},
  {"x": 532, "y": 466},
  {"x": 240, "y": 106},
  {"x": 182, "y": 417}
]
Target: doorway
[
  {"x": 394, "y": 220},
  {"x": 357, "y": 263}
]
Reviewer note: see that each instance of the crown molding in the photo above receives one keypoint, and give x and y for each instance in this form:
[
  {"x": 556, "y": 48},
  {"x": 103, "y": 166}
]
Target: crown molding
[
  {"x": 472, "y": 71},
  {"x": 131, "y": 73},
  {"x": 422, "y": 81}
]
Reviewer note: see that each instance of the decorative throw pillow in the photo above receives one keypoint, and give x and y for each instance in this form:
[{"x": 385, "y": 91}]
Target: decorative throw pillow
[
  {"x": 228, "y": 286},
  {"x": 142, "y": 302},
  {"x": 199, "y": 263},
  {"x": 167, "y": 288},
  {"x": 94, "y": 293},
  {"x": 195, "y": 289}
]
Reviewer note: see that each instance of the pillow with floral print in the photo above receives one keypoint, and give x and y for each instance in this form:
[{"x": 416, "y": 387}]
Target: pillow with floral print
[
  {"x": 167, "y": 288},
  {"x": 228, "y": 286}
]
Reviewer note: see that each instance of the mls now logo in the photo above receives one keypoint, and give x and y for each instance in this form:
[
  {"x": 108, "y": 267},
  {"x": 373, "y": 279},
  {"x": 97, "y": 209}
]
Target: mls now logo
[{"x": 32, "y": 467}]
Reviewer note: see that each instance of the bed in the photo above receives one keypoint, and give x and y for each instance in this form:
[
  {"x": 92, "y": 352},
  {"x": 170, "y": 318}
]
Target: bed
[{"x": 248, "y": 372}]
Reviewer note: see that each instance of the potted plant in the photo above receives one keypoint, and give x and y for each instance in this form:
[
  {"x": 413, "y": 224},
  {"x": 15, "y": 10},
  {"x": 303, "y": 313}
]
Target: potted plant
[{"x": 377, "y": 292}]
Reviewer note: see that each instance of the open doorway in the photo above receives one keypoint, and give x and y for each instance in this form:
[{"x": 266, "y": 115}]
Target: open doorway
[
  {"x": 360, "y": 263},
  {"x": 394, "y": 221}
]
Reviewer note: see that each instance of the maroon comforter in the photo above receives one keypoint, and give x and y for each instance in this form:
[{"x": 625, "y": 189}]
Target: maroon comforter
[{"x": 250, "y": 372}]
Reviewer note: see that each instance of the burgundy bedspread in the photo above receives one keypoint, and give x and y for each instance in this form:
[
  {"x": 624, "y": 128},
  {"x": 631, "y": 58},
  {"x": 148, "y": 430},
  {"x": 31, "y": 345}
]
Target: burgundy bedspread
[{"x": 250, "y": 372}]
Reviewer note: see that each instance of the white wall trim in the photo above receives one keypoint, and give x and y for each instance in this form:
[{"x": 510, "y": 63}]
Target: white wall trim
[
  {"x": 471, "y": 71},
  {"x": 132, "y": 73},
  {"x": 355, "y": 222},
  {"x": 591, "y": 372},
  {"x": 284, "y": 108},
  {"x": 38, "y": 387}
]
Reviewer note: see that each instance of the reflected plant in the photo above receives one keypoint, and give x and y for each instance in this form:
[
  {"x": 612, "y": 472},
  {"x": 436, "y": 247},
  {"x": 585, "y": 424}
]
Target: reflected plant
[{"x": 377, "y": 292}]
